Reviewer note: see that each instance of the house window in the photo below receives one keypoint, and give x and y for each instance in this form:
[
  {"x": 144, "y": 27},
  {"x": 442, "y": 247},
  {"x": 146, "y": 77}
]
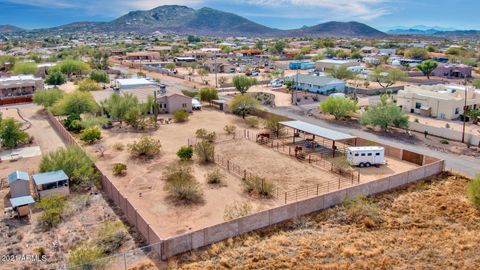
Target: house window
[
  {"x": 457, "y": 110},
  {"x": 356, "y": 155},
  {"x": 369, "y": 154},
  {"x": 363, "y": 154},
  {"x": 418, "y": 105},
  {"x": 377, "y": 154},
  {"x": 184, "y": 105}
]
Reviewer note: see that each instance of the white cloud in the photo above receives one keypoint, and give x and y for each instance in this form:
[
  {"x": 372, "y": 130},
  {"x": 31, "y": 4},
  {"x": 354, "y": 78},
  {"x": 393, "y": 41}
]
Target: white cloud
[{"x": 324, "y": 9}]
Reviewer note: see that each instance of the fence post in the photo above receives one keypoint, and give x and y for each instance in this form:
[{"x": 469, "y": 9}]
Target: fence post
[
  {"x": 244, "y": 174},
  {"x": 228, "y": 165},
  {"x": 125, "y": 261},
  {"x": 338, "y": 182},
  {"x": 289, "y": 150},
  {"x": 359, "y": 177},
  {"x": 285, "y": 197},
  {"x": 296, "y": 194},
  {"x": 277, "y": 146},
  {"x": 317, "y": 189},
  {"x": 328, "y": 186},
  {"x": 309, "y": 158}
]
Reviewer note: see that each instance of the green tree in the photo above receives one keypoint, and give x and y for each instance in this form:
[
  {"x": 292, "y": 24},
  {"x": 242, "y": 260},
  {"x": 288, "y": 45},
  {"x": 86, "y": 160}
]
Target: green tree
[
  {"x": 203, "y": 73},
  {"x": 87, "y": 85},
  {"x": 11, "y": 133},
  {"x": 341, "y": 73},
  {"x": 385, "y": 115},
  {"x": 243, "y": 83},
  {"x": 299, "y": 56},
  {"x": 474, "y": 114},
  {"x": 342, "y": 54},
  {"x": 180, "y": 115},
  {"x": 171, "y": 66},
  {"x": 339, "y": 107},
  {"x": 75, "y": 103},
  {"x": 272, "y": 123},
  {"x": 117, "y": 106},
  {"x": 417, "y": 53},
  {"x": 74, "y": 162},
  {"x": 242, "y": 105},
  {"x": 259, "y": 44},
  {"x": 387, "y": 77},
  {"x": 427, "y": 67},
  {"x": 99, "y": 76},
  {"x": 208, "y": 94},
  {"x": 278, "y": 47},
  {"x": 56, "y": 78},
  {"x": 25, "y": 68},
  {"x": 70, "y": 67},
  {"x": 47, "y": 97}
]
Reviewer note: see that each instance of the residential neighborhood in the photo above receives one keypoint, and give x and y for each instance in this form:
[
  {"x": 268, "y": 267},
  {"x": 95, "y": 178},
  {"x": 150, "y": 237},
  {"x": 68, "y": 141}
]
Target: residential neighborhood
[{"x": 195, "y": 138}]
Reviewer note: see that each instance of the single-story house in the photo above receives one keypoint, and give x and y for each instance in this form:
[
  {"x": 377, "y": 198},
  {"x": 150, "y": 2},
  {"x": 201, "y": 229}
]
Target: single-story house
[
  {"x": 168, "y": 101},
  {"x": 22, "y": 205},
  {"x": 325, "y": 64},
  {"x": 143, "y": 56},
  {"x": 318, "y": 84},
  {"x": 51, "y": 183},
  {"x": 368, "y": 50},
  {"x": 133, "y": 83},
  {"x": 15, "y": 89},
  {"x": 19, "y": 183},
  {"x": 301, "y": 65},
  {"x": 450, "y": 71},
  {"x": 222, "y": 66}
]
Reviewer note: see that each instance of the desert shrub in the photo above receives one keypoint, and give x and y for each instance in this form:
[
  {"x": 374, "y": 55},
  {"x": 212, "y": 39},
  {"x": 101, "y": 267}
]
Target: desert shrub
[
  {"x": 341, "y": 164},
  {"x": 146, "y": 147},
  {"x": 181, "y": 184},
  {"x": 444, "y": 142},
  {"x": 473, "y": 191},
  {"x": 201, "y": 133},
  {"x": 205, "y": 135},
  {"x": 119, "y": 169},
  {"x": 11, "y": 133},
  {"x": 215, "y": 176},
  {"x": 91, "y": 135},
  {"x": 73, "y": 122},
  {"x": 119, "y": 146},
  {"x": 205, "y": 151},
  {"x": 272, "y": 123},
  {"x": 52, "y": 208},
  {"x": 180, "y": 115},
  {"x": 258, "y": 185},
  {"x": 86, "y": 256},
  {"x": 185, "y": 153},
  {"x": 360, "y": 209},
  {"x": 230, "y": 129},
  {"x": 189, "y": 93},
  {"x": 237, "y": 210},
  {"x": 111, "y": 236},
  {"x": 251, "y": 121},
  {"x": 40, "y": 251},
  {"x": 416, "y": 120},
  {"x": 74, "y": 162},
  {"x": 447, "y": 125}
]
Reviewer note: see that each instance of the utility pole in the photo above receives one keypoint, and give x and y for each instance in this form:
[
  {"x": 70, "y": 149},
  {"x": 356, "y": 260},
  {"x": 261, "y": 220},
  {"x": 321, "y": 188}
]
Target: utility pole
[
  {"x": 465, "y": 111},
  {"x": 296, "y": 88}
]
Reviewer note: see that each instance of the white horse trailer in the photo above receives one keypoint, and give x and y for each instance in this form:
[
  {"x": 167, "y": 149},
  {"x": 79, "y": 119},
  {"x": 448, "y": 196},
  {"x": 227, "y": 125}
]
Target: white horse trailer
[{"x": 366, "y": 156}]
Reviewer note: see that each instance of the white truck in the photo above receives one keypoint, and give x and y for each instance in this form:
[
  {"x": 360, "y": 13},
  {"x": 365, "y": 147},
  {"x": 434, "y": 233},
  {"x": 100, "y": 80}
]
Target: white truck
[{"x": 366, "y": 156}]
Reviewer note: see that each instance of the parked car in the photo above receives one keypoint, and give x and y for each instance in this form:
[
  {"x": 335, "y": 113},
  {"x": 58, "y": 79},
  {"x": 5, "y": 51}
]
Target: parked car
[
  {"x": 366, "y": 156},
  {"x": 196, "y": 104}
]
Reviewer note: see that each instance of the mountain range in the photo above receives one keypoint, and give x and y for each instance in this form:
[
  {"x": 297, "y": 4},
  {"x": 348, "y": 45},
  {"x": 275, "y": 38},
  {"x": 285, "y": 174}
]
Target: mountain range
[{"x": 205, "y": 21}]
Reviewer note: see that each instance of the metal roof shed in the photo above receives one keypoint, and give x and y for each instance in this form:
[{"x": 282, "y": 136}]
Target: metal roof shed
[
  {"x": 20, "y": 201},
  {"x": 318, "y": 131},
  {"x": 49, "y": 177},
  {"x": 18, "y": 175}
]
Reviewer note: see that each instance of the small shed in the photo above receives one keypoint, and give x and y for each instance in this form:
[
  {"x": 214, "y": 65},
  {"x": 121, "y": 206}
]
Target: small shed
[
  {"x": 22, "y": 205},
  {"x": 51, "y": 183},
  {"x": 19, "y": 183}
]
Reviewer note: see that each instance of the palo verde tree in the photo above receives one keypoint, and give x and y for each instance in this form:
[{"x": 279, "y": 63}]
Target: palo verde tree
[
  {"x": 341, "y": 73},
  {"x": 208, "y": 94},
  {"x": 387, "y": 77},
  {"x": 243, "y": 83},
  {"x": 11, "y": 133},
  {"x": 427, "y": 67},
  {"x": 99, "y": 76},
  {"x": 385, "y": 115},
  {"x": 47, "y": 97},
  {"x": 339, "y": 107},
  {"x": 75, "y": 103},
  {"x": 25, "y": 68},
  {"x": 56, "y": 78},
  {"x": 243, "y": 105}
]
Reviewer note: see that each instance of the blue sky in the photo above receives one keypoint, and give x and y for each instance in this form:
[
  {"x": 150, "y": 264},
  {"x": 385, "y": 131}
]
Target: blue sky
[{"x": 283, "y": 14}]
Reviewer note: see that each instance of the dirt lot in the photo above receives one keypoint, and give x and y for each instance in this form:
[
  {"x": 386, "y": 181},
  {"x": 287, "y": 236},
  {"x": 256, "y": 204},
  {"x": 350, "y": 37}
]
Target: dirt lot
[
  {"x": 144, "y": 187},
  {"x": 44, "y": 137},
  {"x": 427, "y": 225}
]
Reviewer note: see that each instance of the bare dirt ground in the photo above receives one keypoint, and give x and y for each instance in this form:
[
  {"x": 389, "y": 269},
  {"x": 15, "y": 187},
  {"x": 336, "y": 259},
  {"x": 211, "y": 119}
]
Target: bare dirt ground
[
  {"x": 453, "y": 125},
  {"x": 143, "y": 184},
  {"x": 427, "y": 225}
]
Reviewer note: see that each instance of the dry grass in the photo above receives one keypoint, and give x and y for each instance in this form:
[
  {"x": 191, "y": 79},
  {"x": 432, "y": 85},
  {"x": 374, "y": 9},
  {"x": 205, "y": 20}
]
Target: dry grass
[{"x": 429, "y": 225}]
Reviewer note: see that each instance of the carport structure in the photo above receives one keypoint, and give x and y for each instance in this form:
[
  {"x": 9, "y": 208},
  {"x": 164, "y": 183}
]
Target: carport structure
[{"x": 316, "y": 131}]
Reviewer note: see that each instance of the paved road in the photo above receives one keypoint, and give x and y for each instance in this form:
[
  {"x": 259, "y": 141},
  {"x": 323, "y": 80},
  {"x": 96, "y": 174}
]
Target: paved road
[{"x": 466, "y": 165}]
